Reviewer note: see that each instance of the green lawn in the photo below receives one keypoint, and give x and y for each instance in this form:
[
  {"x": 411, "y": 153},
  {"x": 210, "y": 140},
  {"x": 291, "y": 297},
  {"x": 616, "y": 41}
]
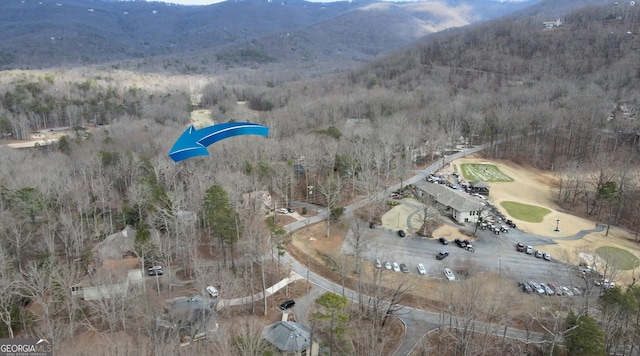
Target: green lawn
[
  {"x": 619, "y": 258},
  {"x": 483, "y": 173},
  {"x": 524, "y": 212}
]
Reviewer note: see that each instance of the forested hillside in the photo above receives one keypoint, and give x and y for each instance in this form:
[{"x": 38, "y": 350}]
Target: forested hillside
[
  {"x": 563, "y": 99},
  {"x": 163, "y": 37}
]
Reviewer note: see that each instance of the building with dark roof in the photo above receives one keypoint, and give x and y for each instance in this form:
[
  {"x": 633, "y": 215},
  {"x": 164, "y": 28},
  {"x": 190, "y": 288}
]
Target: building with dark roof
[
  {"x": 192, "y": 317},
  {"x": 290, "y": 338}
]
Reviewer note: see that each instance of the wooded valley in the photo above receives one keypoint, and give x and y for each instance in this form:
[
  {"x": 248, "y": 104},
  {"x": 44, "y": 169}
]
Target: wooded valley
[{"x": 564, "y": 99}]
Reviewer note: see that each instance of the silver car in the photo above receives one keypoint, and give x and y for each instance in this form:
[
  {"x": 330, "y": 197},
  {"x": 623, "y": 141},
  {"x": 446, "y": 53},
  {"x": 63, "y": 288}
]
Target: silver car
[
  {"x": 547, "y": 289},
  {"x": 396, "y": 267},
  {"x": 449, "y": 275},
  {"x": 537, "y": 287}
]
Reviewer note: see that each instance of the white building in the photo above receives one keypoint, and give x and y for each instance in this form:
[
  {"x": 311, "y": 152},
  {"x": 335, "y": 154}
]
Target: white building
[{"x": 464, "y": 208}]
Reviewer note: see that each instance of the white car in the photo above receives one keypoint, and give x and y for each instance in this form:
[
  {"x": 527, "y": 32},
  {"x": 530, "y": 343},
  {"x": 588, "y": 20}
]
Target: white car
[
  {"x": 566, "y": 291},
  {"x": 387, "y": 265},
  {"x": 449, "y": 274},
  {"x": 421, "y": 269},
  {"x": 282, "y": 211},
  {"x": 396, "y": 267},
  {"x": 546, "y": 256},
  {"x": 156, "y": 271},
  {"x": 213, "y": 292}
]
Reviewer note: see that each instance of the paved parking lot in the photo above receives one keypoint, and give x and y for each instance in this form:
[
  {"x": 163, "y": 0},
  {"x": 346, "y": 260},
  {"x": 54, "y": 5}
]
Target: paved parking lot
[{"x": 494, "y": 253}]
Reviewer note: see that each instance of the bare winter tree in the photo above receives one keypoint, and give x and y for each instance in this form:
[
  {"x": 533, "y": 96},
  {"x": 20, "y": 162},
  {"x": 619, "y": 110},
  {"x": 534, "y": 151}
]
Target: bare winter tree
[
  {"x": 330, "y": 189},
  {"x": 41, "y": 287}
]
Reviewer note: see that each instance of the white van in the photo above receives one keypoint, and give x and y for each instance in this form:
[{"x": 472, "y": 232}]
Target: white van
[{"x": 213, "y": 292}]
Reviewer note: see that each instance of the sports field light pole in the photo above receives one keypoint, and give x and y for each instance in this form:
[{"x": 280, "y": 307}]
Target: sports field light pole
[{"x": 557, "y": 225}]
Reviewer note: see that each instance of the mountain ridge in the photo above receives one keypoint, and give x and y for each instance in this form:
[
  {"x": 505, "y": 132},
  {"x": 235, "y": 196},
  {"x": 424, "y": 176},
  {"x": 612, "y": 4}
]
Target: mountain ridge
[{"x": 75, "y": 32}]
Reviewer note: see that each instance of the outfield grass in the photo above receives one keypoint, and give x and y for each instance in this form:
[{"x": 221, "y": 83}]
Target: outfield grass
[
  {"x": 483, "y": 172},
  {"x": 525, "y": 212},
  {"x": 621, "y": 259}
]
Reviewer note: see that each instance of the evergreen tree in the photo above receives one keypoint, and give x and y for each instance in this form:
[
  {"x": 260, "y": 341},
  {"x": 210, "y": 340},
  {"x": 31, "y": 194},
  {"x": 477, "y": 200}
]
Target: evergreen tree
[
  {"x": 222, "y": 221},
  {"x": 332, "y": 310},
  {"x": 583, "y": 336}
]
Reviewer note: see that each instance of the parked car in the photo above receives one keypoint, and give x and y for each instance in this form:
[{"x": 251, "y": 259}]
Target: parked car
[
  {"x": 387, "y": 265},
  {"x": 556, "y": 289},
  {"x": 529, "y": 250},
  {"x": 213, "y": 292},
  {"x": 282, "y": 211},
  {"x": 287, "y": 305},
  {"x": 538, "y": 254},
  {"x": 443, "y": 241},
  {"x": 449, "y": 275},
  {"x": 156, "y": 271},
  {"x": 378, "y": 263},
  {"x": 520, "y": 247},
  {"x": 396, "y": 267},
  {"x": 576, "y": 291},
  {"x": 469, "y": 247},
  {"x": 548, "y": 291},
  {"x": 372, "y": 225},
  {"x": 608, "y": 284},
  {"x": 538, "y": 288},
  {"x": 546, "y": 256},
  {"x": 441, "y": 255},
  {"x": 460, "y": 243},
  {"x": 401, "y": 233},
  {"x": 566, "y": 291},
  {"x": 404, "y": 268},
  {"x": 421, "y": 270},
  {"x": 526, "y": 287}
]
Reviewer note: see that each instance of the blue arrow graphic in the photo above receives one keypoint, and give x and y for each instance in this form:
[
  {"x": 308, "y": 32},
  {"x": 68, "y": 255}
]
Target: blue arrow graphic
[{"x": 194, "y": 142}]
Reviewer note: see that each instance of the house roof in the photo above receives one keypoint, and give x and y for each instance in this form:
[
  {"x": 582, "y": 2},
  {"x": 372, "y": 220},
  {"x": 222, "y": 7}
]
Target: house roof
[
  {"x": 288, "y": 336},
  {"x": 116, "y": 245},
  {"x": 194, "y": 314},
  {"x": 258, "y": 199},
  {"x": 478, "y": 184},
  {"x": 453, "y": 198}
]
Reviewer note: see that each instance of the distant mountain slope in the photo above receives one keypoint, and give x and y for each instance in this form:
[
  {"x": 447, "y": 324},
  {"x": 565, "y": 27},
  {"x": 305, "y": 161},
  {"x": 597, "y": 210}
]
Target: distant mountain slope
[
  {"x": 39, "y": 34},
  {"x": 594, "y": 44}
]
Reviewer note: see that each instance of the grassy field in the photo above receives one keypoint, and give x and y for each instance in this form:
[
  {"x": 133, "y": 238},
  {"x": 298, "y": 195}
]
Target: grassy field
[
  {"x": 621, "y": 259},
  {"x": 483, "y": 172},
  {"x": 525, "y": 212},
  {"x": 201, "y": 118}
]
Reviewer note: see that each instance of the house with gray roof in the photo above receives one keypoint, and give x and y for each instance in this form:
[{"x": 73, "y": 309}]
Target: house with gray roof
[
  {"x": 192, "y": 318},
  {"x": 464, "y": 208},
  {"x": 290, "y": 338}
]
